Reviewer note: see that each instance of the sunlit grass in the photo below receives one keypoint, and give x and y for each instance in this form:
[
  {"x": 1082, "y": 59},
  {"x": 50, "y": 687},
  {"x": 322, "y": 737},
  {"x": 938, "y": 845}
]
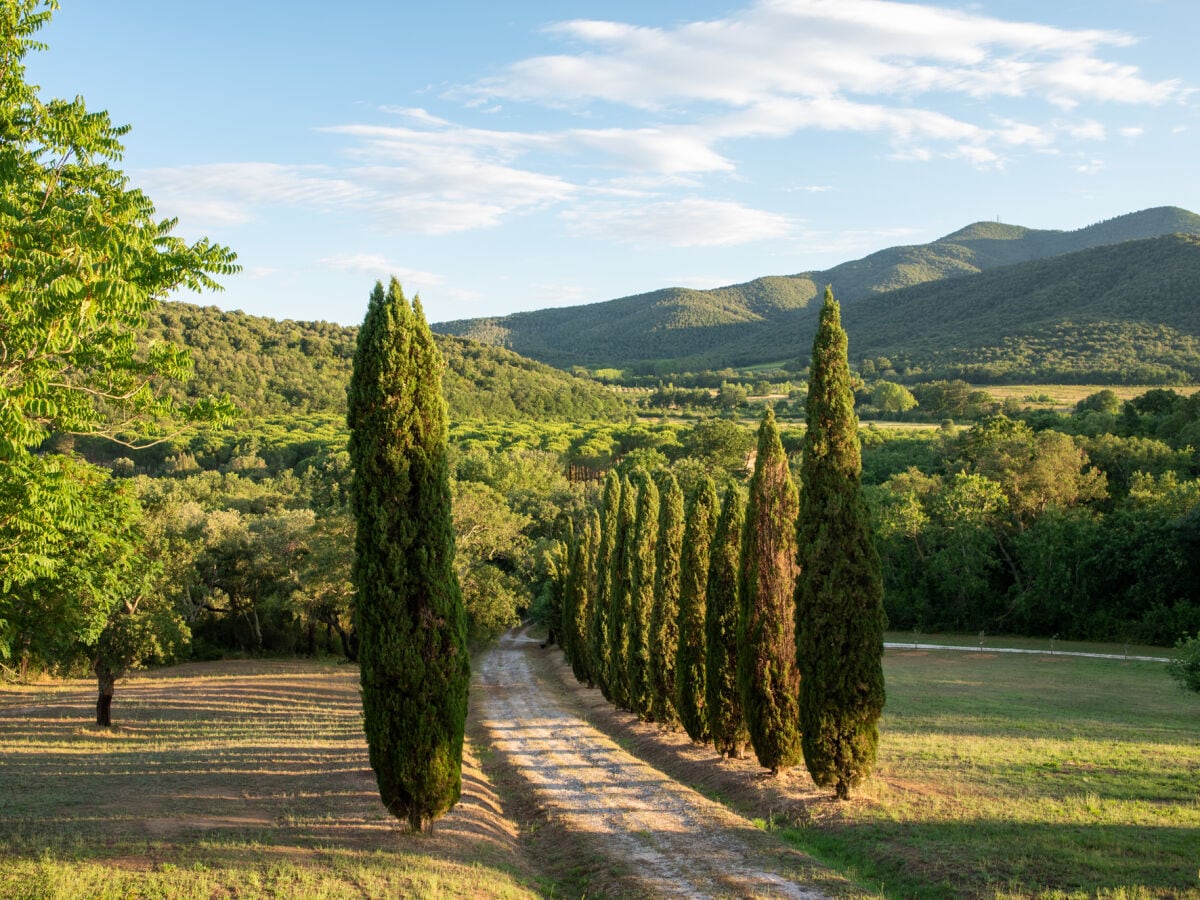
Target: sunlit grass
[
  {"x": 223, "y": 779},
  {"x": 1004, "y": 775}
]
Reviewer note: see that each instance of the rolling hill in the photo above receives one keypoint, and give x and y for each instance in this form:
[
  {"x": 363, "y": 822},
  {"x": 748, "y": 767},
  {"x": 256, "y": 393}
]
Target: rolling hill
[
  {"x": 770, "y": 319},
  {"x": 272, "y": 367}
]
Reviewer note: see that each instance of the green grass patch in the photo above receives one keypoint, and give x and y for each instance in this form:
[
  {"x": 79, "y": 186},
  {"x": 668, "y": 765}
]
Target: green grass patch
[
  {"x": 225, "y": 779},
  {"x": 1024, "y": 776}
]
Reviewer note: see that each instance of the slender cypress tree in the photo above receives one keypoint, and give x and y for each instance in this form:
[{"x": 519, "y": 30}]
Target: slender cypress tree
[
  {"x": 839, "y": 592},
  {"x": 767, "y": 675},
  {"x": 620, "y": 585},
  {"x": 664, "y": 616},
  {"x": 583, "y": 596},
  {"x": 641, "y": 598},
  {"x": 691, "y": 656},
  {"x": 598, "y": 626},
  {"x": 726, "y": 722},
  {"x": 409, "y": 611}
]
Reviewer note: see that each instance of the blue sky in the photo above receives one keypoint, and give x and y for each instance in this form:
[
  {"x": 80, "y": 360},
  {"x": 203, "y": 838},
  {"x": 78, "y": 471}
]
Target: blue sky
[{"x": 501, "y": 157}]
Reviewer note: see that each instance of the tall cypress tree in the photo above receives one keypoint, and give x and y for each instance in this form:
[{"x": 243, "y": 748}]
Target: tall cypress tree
[
  {"x": 767, "y": 675},
  {"x": 641, "y": 597},
  {"x": 691, "y": 656},
  {"x": 598, "y": 627},
  {"x": 408, "y": 611},
  {"x": 839, "y": 592},
  {"x": 577, "y": 601},
  {"x": 726, "y": 722},
  {"x": 620, "y": 585},
  {"x": 664, "y": 616}
]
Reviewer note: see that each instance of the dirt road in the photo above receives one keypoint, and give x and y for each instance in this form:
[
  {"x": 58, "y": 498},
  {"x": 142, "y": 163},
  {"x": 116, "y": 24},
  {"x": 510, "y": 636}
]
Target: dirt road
[{"x": 668, "y": 839}]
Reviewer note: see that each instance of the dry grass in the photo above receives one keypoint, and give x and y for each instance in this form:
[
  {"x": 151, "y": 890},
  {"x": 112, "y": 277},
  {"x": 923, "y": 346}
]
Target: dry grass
[{"x": 226, "y": 779}]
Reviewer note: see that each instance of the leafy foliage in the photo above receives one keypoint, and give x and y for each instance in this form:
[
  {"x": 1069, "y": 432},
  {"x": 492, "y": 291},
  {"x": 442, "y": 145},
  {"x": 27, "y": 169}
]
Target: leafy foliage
[
  {"x": 664, "y": 617},
  {"x": 1184, "y": 666}
]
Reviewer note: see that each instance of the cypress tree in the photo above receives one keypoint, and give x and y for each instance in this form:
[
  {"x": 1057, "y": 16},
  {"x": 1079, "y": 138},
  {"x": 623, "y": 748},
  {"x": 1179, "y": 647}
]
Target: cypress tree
[
  {"x": 839, "y": 592},
  {"x": 691, "y": 657},
  {"x": 620, "y": 586},
  {"x": 641, "y": 598},
  {"x": 580, "y": 588},
  {"x": 598, "y": 624},
  {"x": 767, "y": 675},
  {"x": 726, "y": 722},
  {"x": 664, "y": 615},
  {"x": 409, "y": 611}
]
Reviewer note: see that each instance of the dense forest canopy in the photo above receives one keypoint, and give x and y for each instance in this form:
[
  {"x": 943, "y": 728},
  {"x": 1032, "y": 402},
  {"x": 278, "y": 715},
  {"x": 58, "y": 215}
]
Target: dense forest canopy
[{"x": 274, "y": 367}]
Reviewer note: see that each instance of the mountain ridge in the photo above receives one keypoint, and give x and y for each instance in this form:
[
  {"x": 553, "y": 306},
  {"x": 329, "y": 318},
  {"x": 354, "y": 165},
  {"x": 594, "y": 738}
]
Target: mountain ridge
[{"x": 675, "y": 328}]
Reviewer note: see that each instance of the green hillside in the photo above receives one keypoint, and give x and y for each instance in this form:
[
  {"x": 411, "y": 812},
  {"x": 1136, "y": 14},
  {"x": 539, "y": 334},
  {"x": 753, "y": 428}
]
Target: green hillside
[
  {"x": 766, "y": 319},
  {"x": 272, "y": 367},
  {"x": 1125, "y": 313}
]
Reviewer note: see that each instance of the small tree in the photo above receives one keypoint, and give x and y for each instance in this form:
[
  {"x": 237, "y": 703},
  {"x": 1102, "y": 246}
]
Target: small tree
[
  {"x": 409, "y": 613},
  {"x": 1184, "y": 666},
  {"x": 664, "y": 617},
  {"x": 691, "y": 655},
  {"x": 726, "y": 722},
  {"x": 839, "y": 592},
  {"x": 767, "y": 675}
]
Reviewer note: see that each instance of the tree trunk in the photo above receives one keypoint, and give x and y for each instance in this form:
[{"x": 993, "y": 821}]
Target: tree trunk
[{"x": 107, "y": 682}]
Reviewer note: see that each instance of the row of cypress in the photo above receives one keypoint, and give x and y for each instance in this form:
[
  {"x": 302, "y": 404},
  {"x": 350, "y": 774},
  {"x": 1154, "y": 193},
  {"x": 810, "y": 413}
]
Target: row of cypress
[{"x": 755, "y": 620}]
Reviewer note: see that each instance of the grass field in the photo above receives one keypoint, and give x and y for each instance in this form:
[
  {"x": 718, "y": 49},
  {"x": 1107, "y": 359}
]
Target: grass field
[
  {"x": 225, "y": 779},
  {"x": 1003, "y": 775},
  {"x": 999, "y": 776},
  {"x": 1063, "y": 397}
]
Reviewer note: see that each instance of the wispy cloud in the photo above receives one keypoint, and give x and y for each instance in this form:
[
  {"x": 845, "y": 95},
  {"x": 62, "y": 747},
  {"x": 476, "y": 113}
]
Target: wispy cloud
[{"x": 679, "y": 223}]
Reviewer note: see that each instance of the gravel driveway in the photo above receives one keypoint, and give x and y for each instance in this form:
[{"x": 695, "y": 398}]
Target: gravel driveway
[{"x": 672, "y": 841}]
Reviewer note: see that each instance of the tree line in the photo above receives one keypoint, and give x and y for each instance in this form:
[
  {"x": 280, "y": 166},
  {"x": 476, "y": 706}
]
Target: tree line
[{"x": 755, "y": 620}]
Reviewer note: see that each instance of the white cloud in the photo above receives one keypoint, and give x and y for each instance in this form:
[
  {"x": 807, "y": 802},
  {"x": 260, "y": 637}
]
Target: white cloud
[
  {"x": 380, "y": 266},
  {"x": 680, "y": 223},
  {"x": 1132, "y": 131},
  {"x": 1091, "y": 167},
  {"x": 779, "y": 66}
]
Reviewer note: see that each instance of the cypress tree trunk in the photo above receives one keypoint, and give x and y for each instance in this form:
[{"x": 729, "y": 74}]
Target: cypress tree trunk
[
  {"x": 620, "y": 581},
  {"x": 664, "y": 615},
  {"x": 726, "y": 722},
  {"x": 598, "y": 627},
  {"x": 767, "y": 675},
  {"x": 641, "y": 601},
  {"x": 690, "y": 658},
  {"x": 409, "y": 613},
  {"x": 839, "y": 592}
]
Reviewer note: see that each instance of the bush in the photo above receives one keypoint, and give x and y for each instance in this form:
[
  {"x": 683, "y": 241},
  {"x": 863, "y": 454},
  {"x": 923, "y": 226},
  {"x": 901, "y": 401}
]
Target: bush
[{"x": 1184, "y": 667}]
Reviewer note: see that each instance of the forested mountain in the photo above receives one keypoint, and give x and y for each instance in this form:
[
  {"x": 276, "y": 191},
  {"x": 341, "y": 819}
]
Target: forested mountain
[
  {"x": 1128, "y": 313},
  {"x": 767, "y": 319},
  {"x": 274, "y": 367}
]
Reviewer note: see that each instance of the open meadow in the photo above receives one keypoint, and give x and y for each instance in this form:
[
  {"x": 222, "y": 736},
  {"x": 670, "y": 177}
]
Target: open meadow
[{"x": 999, "y": 776}]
